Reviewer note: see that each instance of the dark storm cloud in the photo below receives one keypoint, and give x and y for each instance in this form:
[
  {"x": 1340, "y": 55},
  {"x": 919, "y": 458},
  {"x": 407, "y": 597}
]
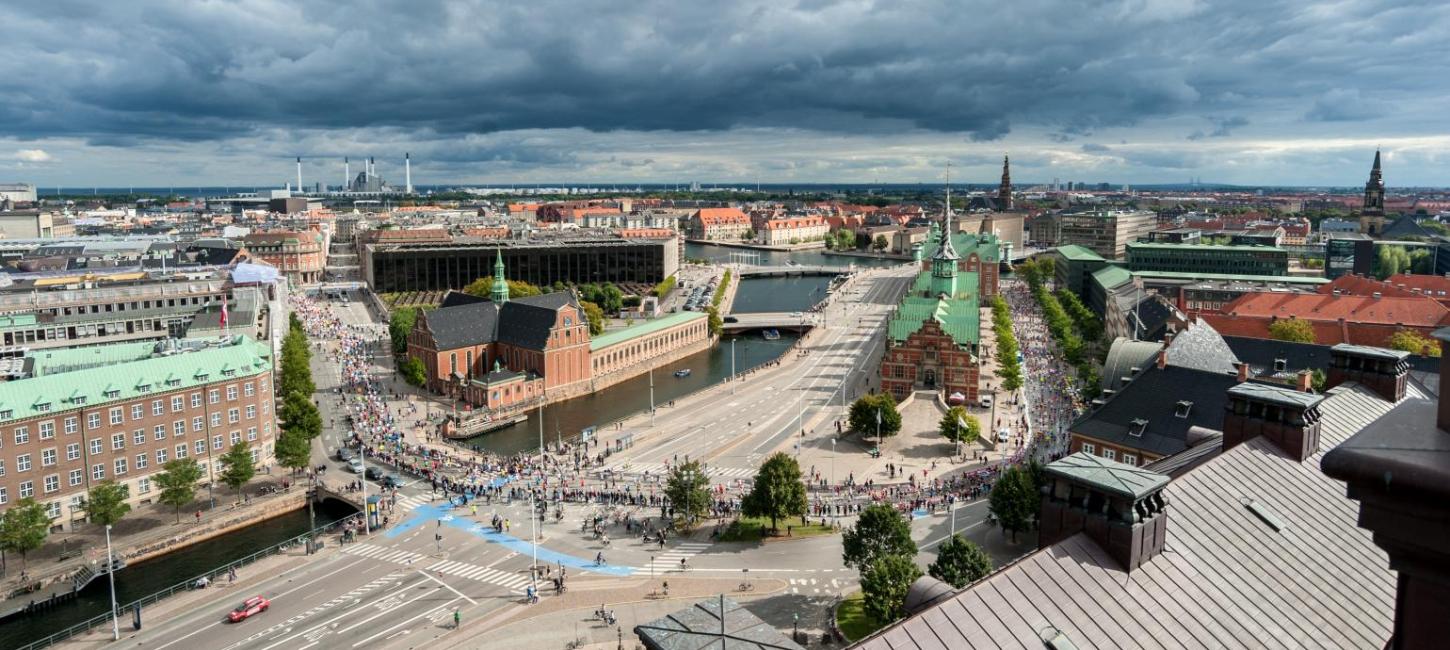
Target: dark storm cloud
[{"x": 120, "y": 72}]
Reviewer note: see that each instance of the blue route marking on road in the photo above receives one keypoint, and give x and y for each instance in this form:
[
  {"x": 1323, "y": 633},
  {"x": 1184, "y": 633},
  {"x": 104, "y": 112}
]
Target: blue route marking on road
[
  {"x": 443, "y": 512},
  {"x": 918, "y": 513}
]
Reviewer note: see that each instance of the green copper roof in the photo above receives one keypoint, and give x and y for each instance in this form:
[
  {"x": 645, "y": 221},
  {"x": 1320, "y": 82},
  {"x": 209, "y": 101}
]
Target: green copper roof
[
  {"x": 987, "y": 247},
  {"x": 17, "y": 320},
  {"x": 958, "y": 318},
  {"x": 1111, "y": 277},
  {"x": 649, "y": 327},
  {"x": 106, "y": 375},
  {"x": 1078, "y": 253},
  {"x": 1108, "y": 476}
]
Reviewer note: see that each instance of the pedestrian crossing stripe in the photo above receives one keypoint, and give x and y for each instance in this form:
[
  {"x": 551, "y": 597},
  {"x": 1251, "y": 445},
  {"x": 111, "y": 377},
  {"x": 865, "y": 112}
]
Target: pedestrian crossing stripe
[
  {"x": 670, "y": 560},
  {"x": 382, "y": 553},
  {"x": 505, "y": 579},
  {"x": 661, "y": 468}
]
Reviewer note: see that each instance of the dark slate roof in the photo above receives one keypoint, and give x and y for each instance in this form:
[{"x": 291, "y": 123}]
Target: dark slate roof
[
  {"x": 1154, "y": 397},
  {"x": 1154, "y": 313},
  {"x": 1261, "y": 353},
  {"x": 1200, "y": 346},
  {"x": 1226, "y": 580},
  {"x": 1123, "y": 356},
  {"x": 699, "y": 628},
  {"x": 1280, "y": 395},
  {"x": 455, "y": 298},
  {"x": 463, "y": 325},
  {"x": 1406, "y": 226},
  {"x": 526, "y": 322}
]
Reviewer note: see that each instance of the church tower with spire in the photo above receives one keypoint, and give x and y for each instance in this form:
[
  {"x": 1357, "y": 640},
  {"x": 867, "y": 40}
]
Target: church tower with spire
[
  {"x": 944, "y": 260},
  {"x": 1372, "y": 212},
  {"x": 500, "y": 293},
  {"x": 1004, "y": 191}
]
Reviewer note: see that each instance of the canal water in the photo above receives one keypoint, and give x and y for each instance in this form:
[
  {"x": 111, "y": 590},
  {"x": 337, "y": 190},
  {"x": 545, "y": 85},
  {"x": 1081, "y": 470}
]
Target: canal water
[{"x": 146, "y": 578}]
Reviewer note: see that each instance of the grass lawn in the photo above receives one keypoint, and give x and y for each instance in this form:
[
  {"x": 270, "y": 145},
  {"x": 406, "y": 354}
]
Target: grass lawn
[
  {"x": 851, "y": 617},
  {"x": 749, "y": 529}
]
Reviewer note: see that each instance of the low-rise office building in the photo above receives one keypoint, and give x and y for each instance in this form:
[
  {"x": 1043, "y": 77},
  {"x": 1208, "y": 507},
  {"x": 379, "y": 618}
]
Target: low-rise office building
[
  {"x": 1105, "y": 232},
  {"x": 76, "y": 417},
  {"x": 454, "y": 263},
  {"x": 1194, "y": 258}
]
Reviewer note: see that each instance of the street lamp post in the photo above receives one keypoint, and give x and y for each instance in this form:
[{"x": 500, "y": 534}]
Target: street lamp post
[
  {"x": 651, "y": 396},
  {"x": 733, "y": 378},
  {"x": 111, "y": 573}
]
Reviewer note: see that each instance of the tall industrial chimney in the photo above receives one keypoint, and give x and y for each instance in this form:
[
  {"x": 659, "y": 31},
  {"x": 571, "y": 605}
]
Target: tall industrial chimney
[
  {"x": 346, "y": 174},
  {"x": 372, "y": 166},
  {"x": 299, "y": 173},
  {"x": 408, "y": 173}
]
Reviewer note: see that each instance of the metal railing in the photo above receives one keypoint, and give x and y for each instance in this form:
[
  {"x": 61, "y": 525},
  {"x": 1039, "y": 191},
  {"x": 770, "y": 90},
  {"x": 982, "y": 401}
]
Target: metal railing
[{"x": 186, "y": 585}]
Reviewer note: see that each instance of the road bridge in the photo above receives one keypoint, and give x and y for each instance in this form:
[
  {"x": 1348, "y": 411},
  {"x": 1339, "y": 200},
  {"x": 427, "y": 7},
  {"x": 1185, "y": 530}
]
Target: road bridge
[
  {"x": 747, "y": 271},
  {"x": 780, "y": 320}
]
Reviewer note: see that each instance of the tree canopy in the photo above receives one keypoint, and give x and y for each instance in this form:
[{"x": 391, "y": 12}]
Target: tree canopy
[
  {"x": 237, "y": 467},
  {"x": 24, "y": 527},
  {"x": 105, "y": 503},
  {"x": 1013, "y": 501},
  {"x": 886, "y": 582},
  {"x": 880, "y": 531},
  {"x": 400, "y": 323},
  {"x": 778, "y": 491},
  {"x": 960, "y": 562},
  {"x": 959, "y": 426},
  {"x": 595, "y": 315},
  {"x": 483, "y": 288},
  {"x": 864, "y": 410},
  {"x": 413, "y": 371},
  {"x": 688, "y": 489},
  {"x": 177, "y": 482},
  {"x": 1294, "y": 330},
  {"x": 1415, "y": 343}
]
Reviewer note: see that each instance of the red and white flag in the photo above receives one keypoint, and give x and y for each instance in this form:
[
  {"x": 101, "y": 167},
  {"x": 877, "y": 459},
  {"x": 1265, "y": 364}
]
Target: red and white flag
[{"x": 224, "y": 313}]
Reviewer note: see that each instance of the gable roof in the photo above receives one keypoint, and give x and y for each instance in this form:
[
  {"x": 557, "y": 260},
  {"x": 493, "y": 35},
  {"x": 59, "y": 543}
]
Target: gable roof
[
  {"x": 1078, "y": 253},
  {"x": 1415, "y": 312},
  {"x": 958, "y": 318},
  {"x": 1406, "y": 226},
  {"x": 1144, "y": 399},
  {"x": 462, "y": 325},
  {"x": 1200, "y": 346},
  {"x": 721, "y": 216},
  {"x": 1226, "y": 578}
]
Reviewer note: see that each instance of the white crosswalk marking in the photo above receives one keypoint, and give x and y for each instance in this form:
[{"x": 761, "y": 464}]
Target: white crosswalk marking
[
  {"x": 408, "y": 503},
  {"x": 670, "y": 559},
  {"x": 661, "y": 468},
  {"x": 511, "y": 581}
]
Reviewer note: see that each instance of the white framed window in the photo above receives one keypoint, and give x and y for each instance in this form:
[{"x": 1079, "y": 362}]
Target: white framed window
[
  {"x": 27, "y": 489},
  {"x": 120, "y": 467},
  {"x": 216, "y": 419},
  {"x": 158, "y": 407},
  {"x": 76, "y": 476},
  {"x": 249, "y": 389},
  {"x": 98, "y": 472},
  {"x": 181, "y": 450},
  {"x": 177, "y": 403},
  {"x": 95, "y": 446},
  {"x": 118, "y": 441},
  {"x": 160, "y": 456},
  {"x": 234, "y": 416},
  {"x": 4, "y": 496},
  {"x": 47, "y": 430},
  {"x": 231, "y": 393},
  {"x": 236, "y": 437},
  {"x": 1130, "y": 459},
  {"x": 117, "y": 415},
  {"x": 199, "y": 446},
  {"x": 254, "y": 455},
  {"x": 137, "y": 411},
  {"x": 1110, "y": 454},
  {"x": 143, "y": 486},
  {"x": 93, "y": 421},
  {"x": 22, "y": 463},
  {"x": 2, "y": 466},
  {"x": 141, "y": 461},
  {"x": 262, "y": 385},
  {"x": 251, "y": 411},
  {"x": 22, "y": 435},
  {"x": 73, "y": 451},
  {"x": 71, "y": 425},
  {"x": 1089, "y": 448},
  {"x": 198, "y": 424},
  {"x": 178, "y": 428},
  {"x": 138, "y": 437},
  {"x": 196, "y": 400},
  {"x": 52, "y": 510},
  {"x": 216, "y": 442},
  {"x": 52, "y": 483},
  {"x": 213, "y": 396},
  {"x": 159, "y": 432},
  {"x": 251, "y": 434},
  {"x": 47, "y": 457}
]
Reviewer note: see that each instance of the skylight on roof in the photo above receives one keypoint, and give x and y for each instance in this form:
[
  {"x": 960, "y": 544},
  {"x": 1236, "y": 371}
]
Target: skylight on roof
[
  {"x": 1137, "y": 427},
  {"x": 1182, "y": 409}
]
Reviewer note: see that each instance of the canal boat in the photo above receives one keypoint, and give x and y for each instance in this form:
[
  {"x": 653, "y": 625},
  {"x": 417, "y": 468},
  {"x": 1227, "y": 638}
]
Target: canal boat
[
  {"x": 771, "y": 334},
  {"x": 683, "y": 372}
]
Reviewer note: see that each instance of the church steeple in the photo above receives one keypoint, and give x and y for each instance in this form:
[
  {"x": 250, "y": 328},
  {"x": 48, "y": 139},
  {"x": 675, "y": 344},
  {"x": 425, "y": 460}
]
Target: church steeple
[
  {"x": 1374, "y": 189},
  {"x": 1004, "y": 191},
  {"x": 500, "y": 285},
  {"x": 944, "y": 260}
]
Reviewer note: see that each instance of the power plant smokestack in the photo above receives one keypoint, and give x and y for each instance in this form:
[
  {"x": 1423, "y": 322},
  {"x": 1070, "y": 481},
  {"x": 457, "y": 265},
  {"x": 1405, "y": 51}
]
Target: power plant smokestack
[
  {"x": 346, "y": 173},
  {"x": 372, "y": 166},
  {"x": 408, "y": 173},
  {"x": 299, "y": 173}
]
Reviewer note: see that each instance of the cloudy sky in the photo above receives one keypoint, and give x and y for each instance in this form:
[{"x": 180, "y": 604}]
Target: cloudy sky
[{"x": 216, "y": 92}]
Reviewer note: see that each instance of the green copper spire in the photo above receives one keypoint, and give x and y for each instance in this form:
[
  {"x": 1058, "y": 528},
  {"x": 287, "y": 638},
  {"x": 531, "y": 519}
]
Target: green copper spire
[{"x": 500, "y": 285}]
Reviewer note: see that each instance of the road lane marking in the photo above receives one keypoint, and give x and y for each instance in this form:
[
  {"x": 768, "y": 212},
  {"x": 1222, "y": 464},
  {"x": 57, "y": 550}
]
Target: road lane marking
[
  {"x": 430, "y": 613},
  {"x": 449, "y": 587},
  {"x": 330, "y": 621}
]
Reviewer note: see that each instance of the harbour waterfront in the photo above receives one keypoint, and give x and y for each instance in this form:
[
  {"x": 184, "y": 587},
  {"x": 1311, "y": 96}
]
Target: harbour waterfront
[{"x": 146, "y": 578}]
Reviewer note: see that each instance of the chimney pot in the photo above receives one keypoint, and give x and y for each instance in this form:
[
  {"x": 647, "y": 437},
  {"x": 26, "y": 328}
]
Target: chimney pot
[
  {"x": 1243, "y": 369},
  {"x": 1163, "y": 358},
  {"x": 1306, "y": 381}
]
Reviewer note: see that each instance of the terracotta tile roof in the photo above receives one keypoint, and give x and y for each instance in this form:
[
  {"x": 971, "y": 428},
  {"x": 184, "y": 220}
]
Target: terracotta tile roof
[
  {"x": 1354, "y": 285},
  {"x": 1436, "y": 285},
  {"x": 721, "y": 216},
  {"x": 1413, "y": 312}
]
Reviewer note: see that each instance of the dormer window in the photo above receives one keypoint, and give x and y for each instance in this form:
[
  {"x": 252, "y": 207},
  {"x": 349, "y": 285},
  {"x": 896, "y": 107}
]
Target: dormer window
[
  {"x": 1137, "y": 427},
  {"x": 111, "y": 393},
  {"x": 1280, "y": 365},
  {"x": 173, "y": 382},
  {"x": 143, "y": 388},
  {"x": 78, "y": 399},
  {"x": 228, "y": 372},
  {"x": 6, "y": 414},
  {"x": 1183, "y": 409},
  {"x": 42, "y": 406}
]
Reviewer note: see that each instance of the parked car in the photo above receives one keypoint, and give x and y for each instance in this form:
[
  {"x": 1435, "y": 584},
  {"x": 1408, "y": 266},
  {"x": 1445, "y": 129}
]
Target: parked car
[
  {"x": 354, "y": 465},
  {"x": 1003, "y": 435},
  {"x": 373, "y": 473},
  {"x": 249, "y": 608},
  {"x": 986, "y": 401},
  {"x": 344, "y": 454},
  {"x": 392, "y": 481},
  {"x": 731, "y": 319}
]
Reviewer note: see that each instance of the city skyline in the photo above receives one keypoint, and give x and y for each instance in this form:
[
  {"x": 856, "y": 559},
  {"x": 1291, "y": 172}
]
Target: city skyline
[{"x": 1137, "y": 92}]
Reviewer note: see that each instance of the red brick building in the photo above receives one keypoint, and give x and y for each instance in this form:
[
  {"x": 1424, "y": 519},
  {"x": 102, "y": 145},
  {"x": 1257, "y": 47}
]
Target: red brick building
[
  {"x": 1347, "y": 318},
  {"x": 300, "y": 255}
]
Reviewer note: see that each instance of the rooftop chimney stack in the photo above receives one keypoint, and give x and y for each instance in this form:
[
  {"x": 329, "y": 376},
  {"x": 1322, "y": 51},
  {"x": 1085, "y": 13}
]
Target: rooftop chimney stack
[
  {"x": 408, "y": 173},
  {"x": 1120, "y": 507},
  {"x": 1384, "y": 371},
  {"x": 1287, "y": 417}
]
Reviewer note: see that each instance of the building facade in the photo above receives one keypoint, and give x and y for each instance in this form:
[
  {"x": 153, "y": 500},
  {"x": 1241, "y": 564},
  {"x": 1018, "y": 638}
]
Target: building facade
[
  {"x": 1199, "y": 258},
  {"x": 1105, "y": 232},
  {"x": 299, "y": 255},
  {"x": 793, "y": 230},
  {"x": 120, "y": 412},
  {"x": 454, "y": 264},
  {"x": 719, "y": 224}
]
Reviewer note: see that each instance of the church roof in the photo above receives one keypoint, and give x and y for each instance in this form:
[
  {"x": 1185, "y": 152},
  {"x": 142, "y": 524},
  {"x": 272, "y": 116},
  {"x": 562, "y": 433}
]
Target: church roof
[{"x": 958, "y": 318}]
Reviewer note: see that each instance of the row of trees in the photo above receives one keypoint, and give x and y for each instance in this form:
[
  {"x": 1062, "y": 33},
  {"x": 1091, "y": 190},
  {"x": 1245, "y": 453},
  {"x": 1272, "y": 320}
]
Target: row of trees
[
  {"x": 1060, "y": 325},
  {"x": 880, "y": 547},
  {"x": 301, "y": 421},
  {"x": 1009, "y": 368}
]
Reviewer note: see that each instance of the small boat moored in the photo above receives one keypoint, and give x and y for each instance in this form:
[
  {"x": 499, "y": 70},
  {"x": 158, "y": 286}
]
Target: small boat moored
[
  {"x": 771, "y": 334},
  {"x": 685, "y": 372}
]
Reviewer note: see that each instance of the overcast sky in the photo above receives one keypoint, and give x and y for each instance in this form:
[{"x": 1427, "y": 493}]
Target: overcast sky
[{"x": 211, "y": 92}]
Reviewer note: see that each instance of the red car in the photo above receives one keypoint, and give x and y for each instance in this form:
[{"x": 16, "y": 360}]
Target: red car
[{"x": 251, "y": 607}]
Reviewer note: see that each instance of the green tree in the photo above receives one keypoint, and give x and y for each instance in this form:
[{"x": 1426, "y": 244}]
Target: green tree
[
  {"x": 880, "y": 531},
  {"x": 300, "y": 415},
  {"x": 400, "y": 323},
  {"x": 959, "y": 426},
  {"x": 1013, "y": 501},
  {"x": 688, "y": 489},
  {"x": 778, "y": 491},
  {"x": 23, "y": 528},
  {"x": 845, "y": 239},
  {"x": 177, "y": 482},
  {"x": 886, "y": 582},
  {"x": 1318, "y": 380},
  {"x": 880, "y": 243},
  {"x": 237, "y": 467},
  {"x": 293, "y": 450},
  {"x": 959, "y": 562},
  {"x": 1294, "y": 330},
  {"x": 1414, "y": 343},
  {"x": 716, "y": 324},
  {"x": 1421, "y": 262},
  {"x": 105, "y": 503},
  {"x": 414, "y": 372},
  {"x": 595, "y": 315},
  {"x": 864, "y": 412},
  {"x": 483, "y": 288},
  {"x": 1391, "y": 260}
]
